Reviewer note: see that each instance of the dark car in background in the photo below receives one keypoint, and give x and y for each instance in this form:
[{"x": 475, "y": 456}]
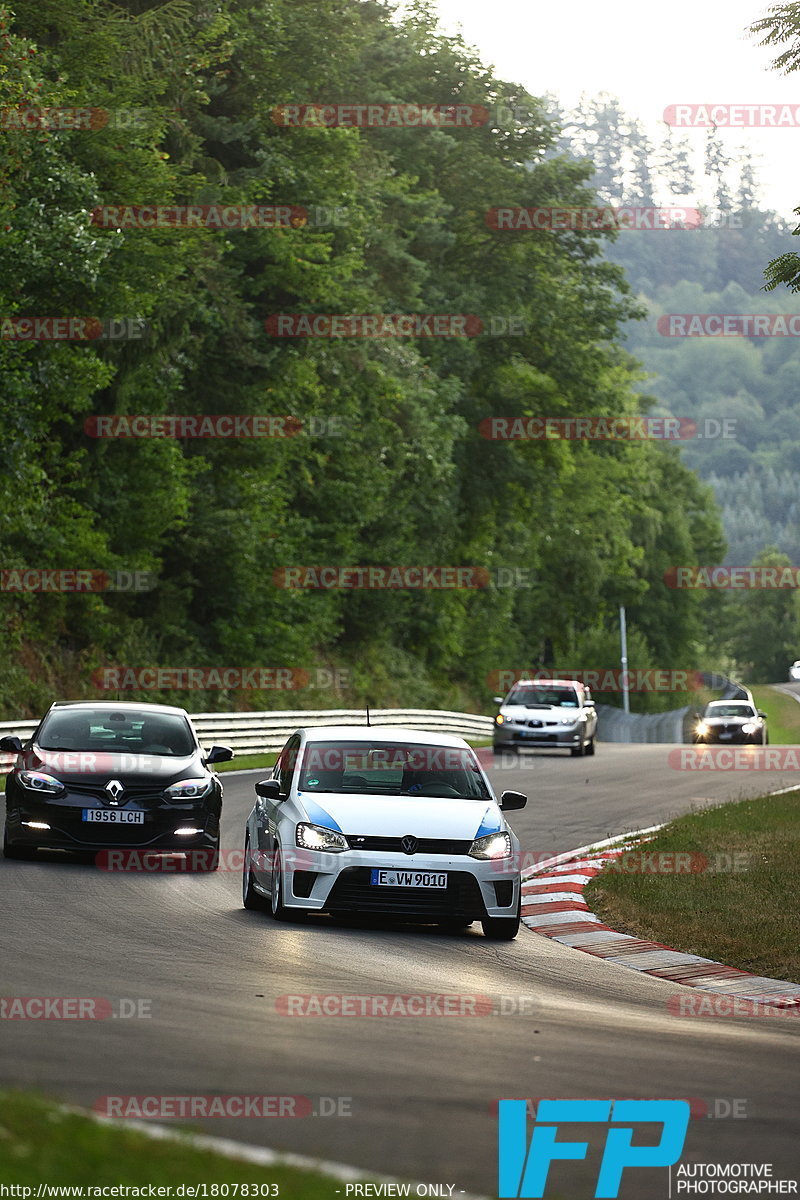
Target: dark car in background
[
  {"x": 99, "y": 776},
  {"x": 731, "y": 721}
]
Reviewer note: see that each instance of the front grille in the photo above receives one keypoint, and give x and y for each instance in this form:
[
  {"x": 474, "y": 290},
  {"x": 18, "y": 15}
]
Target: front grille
[
  {"x": 393, "y": 845},
  {"x": 353, "y": 892},
  {"x": 147, "y": 793}
]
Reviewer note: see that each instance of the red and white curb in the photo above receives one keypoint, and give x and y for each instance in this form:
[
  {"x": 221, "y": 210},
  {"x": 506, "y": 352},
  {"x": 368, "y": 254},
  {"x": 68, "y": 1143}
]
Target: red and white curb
[{"x": 553, "y": 905}]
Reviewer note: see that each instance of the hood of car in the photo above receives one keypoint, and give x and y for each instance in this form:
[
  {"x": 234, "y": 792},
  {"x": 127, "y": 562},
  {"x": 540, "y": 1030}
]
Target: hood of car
[
  {"x": 98, "y": 767},
  {"x": 728, "y": 720},
  {"x": 395, "y": 816}
]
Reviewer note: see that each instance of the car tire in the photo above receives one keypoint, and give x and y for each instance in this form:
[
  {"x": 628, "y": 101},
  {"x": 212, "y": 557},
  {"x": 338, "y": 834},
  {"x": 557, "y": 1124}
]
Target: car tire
[
  {"x": 19, "y": 853},
  {"x": 578, "y": 751},
  {"x": 206, "y": 859},
  {"x": 251, "y": 899},
  {"x": 590, "y": 746},
  {"x": 277, "y": 907},
  {"x": 502, "y": 929}
]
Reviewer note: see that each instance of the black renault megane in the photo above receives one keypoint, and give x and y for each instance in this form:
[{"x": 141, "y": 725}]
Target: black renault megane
[{"x": 116, "y": 774}]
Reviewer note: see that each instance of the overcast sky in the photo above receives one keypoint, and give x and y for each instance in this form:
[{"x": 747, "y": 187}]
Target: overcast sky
[{"x": 650, "y": 55}]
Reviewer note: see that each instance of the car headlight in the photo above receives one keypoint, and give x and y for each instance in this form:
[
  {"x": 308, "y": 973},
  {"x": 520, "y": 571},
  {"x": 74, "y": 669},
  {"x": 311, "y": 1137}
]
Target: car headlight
[
  {"x": 189, "y": 789},
  {"x": 702, "y": 728},
  {"x": 499, "y": 719},
  {"x": 749, "y": 727},
  {"x": 493, "y": 845},
  {"x": 317, "y": 837},
  {"x": 37, "y": 781}
]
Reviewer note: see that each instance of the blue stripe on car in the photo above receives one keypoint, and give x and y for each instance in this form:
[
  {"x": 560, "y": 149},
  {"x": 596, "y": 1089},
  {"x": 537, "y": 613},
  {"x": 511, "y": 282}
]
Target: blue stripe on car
[
  {"x": 317, "y": 814},
  {"x": 490, "y": 823}
]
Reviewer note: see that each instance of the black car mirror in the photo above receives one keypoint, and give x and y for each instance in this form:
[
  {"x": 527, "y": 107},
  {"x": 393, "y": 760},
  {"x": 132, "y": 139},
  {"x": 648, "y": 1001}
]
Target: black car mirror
[
  {"x": 268, "y": 789},
  {"x": 219, "y": 754},
  {"x": 11, "y": 744},
  {"x": 511, "y": 800}
]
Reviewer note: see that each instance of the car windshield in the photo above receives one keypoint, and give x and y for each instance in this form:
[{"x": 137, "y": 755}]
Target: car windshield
[
  {"x": 117, "y": 732},
  {"x": 537, "y": 696},
  {"x": 730, "y": 710},
  {"x": 392, "y": 769}
]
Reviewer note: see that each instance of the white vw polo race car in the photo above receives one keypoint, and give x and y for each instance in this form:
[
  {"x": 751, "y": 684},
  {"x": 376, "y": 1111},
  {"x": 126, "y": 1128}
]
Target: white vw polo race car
[{"x": 384, "y": 821}]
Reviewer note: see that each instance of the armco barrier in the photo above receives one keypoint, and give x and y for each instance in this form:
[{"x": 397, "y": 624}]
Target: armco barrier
[
  {"x": 614, "y": 725},
  {"x": 257, "y": 732}
]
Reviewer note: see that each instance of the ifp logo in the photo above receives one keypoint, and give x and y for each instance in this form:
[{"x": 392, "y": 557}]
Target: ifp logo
[{"x": 523, "y": 1171}]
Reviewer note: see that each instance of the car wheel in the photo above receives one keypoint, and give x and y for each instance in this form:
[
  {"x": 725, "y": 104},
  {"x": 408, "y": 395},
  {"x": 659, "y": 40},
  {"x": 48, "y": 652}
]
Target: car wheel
[
  {"x": 250, "y": 897},
  {"x": 590, "y": 746},
  {"x": 206, "y": 859},
  {"x": 21, "y": 853},
  {"x": 578, "y": 751},
  {"x": 277, "y": 907},
  {"x": 502, "y": 929}
]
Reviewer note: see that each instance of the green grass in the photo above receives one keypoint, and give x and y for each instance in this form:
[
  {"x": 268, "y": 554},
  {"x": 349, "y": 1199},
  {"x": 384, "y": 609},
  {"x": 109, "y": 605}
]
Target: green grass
[
  {"x": 247, "y": 762},
  {"x": 747, "y": 918},
  {"x": 41, "y": 1143},
  {"x": 783, "y": 715}
]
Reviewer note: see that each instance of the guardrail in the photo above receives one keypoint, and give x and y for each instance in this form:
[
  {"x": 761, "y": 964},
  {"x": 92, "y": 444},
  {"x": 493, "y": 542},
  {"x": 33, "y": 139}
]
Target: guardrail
[{"x": 260, "y": 732}]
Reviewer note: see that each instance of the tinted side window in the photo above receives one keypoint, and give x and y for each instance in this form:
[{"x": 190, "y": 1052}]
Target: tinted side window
[{"x": 286, "y": 763}]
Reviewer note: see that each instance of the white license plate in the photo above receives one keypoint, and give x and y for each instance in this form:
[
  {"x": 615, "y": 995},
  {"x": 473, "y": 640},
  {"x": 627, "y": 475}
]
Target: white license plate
[
  {"x": 113, "y": 816},
  {"x": 429, "y": 879},
  {"x": 725, "y": 735}
]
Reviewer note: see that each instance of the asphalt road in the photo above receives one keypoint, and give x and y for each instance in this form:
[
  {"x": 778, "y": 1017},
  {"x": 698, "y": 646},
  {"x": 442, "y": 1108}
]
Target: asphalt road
[{"x": 418, "y": 1090}]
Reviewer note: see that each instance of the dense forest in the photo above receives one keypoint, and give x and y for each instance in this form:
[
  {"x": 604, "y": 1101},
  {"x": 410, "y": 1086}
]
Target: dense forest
[
  {"x": 717, "y": 267},
  {"x": 185, "y": 105}
]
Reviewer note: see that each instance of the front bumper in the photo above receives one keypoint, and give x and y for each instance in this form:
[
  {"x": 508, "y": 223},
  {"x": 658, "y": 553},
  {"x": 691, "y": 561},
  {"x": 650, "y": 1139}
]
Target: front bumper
[
  {"x": 713, "y": 738},
  {"x": 68, "y": 831},
  {"x": 522, "y": 735},
  {"x": 341, "y": 883}
]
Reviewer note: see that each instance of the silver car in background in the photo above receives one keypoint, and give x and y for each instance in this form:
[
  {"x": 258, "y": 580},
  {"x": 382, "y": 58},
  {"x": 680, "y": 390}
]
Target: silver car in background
[{"x": 557, "y": 713}]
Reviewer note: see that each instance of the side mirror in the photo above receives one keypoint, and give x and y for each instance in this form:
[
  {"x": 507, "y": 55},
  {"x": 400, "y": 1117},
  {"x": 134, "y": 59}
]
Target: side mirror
[
  {"x": 499, "y": 699},
  {"x": 11, "y": 744},
  {"x": 510, "y": 800},
  {"x": 760, "y": 713},
  {"x": 268, "y": 789},
  {"x": 588, "y": 702},
  {"x": 219, "y": 754}
]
